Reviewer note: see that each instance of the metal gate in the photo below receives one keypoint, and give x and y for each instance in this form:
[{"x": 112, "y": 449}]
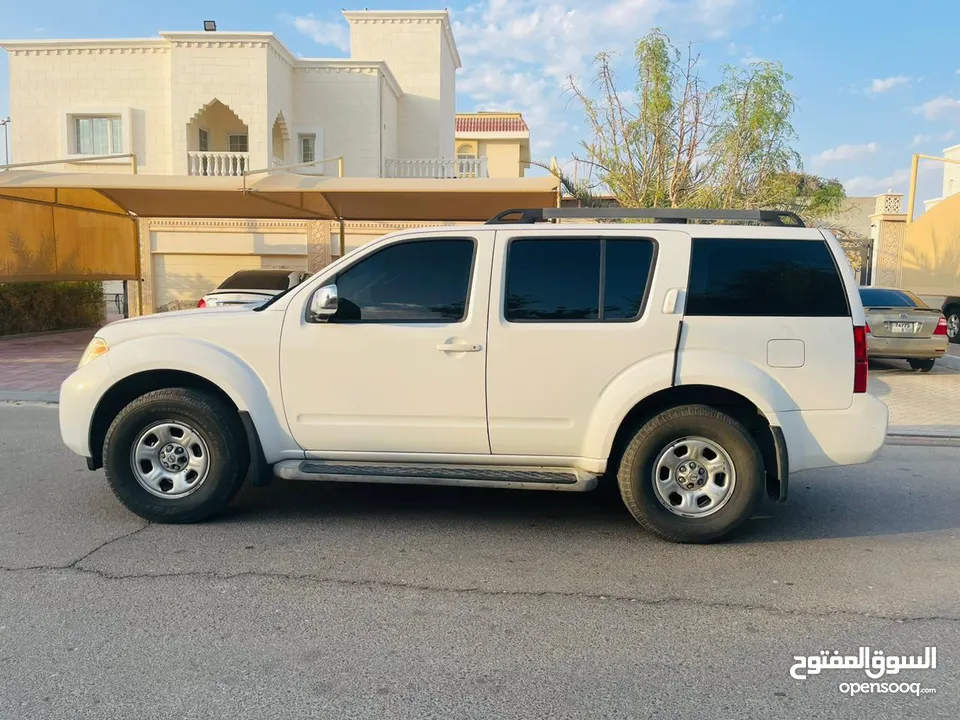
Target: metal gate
[{"x": 859, "y": 252}]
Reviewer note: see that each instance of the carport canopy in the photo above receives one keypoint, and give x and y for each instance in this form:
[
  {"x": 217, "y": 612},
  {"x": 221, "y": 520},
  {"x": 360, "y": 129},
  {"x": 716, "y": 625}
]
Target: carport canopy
[{"x": 282, "y": 195}]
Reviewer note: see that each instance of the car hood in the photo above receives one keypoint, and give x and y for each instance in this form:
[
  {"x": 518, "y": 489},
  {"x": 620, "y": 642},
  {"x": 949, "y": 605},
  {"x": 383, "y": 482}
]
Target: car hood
[{"x": 193, "y": 323}]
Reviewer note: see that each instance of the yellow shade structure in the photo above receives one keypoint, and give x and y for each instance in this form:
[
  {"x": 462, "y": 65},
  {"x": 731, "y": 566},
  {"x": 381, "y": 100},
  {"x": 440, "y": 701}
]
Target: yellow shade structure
[
  {"x": 69, "y": 226},
  {"x": 282, "y": 195}
]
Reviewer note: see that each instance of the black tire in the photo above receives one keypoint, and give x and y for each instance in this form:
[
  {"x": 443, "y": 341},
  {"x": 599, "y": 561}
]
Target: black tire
[
  {"x": 636, "y": 470},
  {"x": 922, "y": 365},
  {"x": 953, "y": 321},
  {"x": 219, "y": 426}
]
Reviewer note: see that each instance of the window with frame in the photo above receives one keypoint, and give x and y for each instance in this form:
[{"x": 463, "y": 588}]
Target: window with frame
[
  {"x": 467, "y": 151},
  {"x": 765, "y": 278},
  {"x": 98, "y": 135},
  {"x": 418, "y": 281},
  {"x": 308, "y": 148},
  {"x": 203, "y": 141},
  {"x": 577, "y": 279},
  {"x": 238, "y": 143}
]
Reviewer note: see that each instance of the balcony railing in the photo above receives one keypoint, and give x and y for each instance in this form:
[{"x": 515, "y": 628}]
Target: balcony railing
[
  {"x": 217, "y": 163},
  {"x": 437, "y": 168}
]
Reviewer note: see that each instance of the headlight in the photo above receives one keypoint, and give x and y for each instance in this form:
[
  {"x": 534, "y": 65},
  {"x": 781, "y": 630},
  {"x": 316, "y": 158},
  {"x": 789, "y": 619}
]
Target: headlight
[{"x": 96, "y": 348}]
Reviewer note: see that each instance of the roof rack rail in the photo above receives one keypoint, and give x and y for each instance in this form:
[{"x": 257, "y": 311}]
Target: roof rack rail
[{"x": 779, "y": 218}]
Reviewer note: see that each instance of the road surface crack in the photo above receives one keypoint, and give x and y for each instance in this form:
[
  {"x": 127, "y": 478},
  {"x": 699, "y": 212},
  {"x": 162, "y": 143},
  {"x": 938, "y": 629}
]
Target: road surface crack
[{"x": 484, "y": 592}]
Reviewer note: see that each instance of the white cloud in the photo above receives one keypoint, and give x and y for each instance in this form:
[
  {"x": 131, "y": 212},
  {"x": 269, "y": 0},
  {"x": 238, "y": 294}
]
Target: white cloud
[
  {"x": 322, "y": 32},
  {"x": 864, "y": 185},
  {"x": 845, "y": 153},
  {"x": 948, "y": 135},
  {"x": 519, "y": 54},
  {"x": 920, "y": 140},
  {"x": 940, "y": 108},
  {"x": 886, "y": 84}
]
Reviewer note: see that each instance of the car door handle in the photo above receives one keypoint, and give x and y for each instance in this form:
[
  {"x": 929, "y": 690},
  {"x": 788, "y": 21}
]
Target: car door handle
[{"x": 459, "y": 347}]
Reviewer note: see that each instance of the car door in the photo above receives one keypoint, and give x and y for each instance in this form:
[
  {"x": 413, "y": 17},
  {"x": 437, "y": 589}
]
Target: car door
[
  {"x": 400, "y": 367},
  {"x": 575, "y": 310}
]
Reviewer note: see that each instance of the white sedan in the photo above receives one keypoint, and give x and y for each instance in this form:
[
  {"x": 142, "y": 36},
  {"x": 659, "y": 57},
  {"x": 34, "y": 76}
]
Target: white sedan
[{"x": 250, "y": 288}]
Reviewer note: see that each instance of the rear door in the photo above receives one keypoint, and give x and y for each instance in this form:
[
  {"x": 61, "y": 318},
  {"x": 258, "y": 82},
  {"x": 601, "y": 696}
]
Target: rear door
[
  {"x": 569, "y": 312},
  {"x": 778, "y": 301}
]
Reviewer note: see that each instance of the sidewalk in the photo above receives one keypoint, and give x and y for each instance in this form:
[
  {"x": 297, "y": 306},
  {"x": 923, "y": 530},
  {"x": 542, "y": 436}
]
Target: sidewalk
[{"x": 32, "y": 367}]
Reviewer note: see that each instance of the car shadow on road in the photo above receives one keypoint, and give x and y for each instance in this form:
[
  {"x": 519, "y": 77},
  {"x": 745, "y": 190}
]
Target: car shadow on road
[{"x": 822, "y": 504}]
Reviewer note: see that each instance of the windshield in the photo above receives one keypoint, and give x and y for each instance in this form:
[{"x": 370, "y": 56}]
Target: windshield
[
  {"x": 257, "y": 280},
  {"x": 878, "y": 297}
]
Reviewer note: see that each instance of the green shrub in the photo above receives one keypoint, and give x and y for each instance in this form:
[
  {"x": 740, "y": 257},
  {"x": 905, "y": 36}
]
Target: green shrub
[{"x": 40, "y": 306}]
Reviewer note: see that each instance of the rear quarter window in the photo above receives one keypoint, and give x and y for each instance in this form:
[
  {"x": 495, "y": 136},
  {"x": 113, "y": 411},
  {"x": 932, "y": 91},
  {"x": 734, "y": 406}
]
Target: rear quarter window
[{"x": 765, "y": 278}]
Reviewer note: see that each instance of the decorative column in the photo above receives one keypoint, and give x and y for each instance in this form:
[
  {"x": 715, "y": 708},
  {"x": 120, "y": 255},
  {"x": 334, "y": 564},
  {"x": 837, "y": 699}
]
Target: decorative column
[
  {"x": 887, "y": 231},
  {"x": 318, "y": 245},
  {"x": 145, "y": 282}
]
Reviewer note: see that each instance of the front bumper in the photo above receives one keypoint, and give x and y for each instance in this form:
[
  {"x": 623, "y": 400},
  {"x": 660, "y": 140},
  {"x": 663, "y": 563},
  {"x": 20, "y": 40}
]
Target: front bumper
[
  {"x": 906, "y": 348},
  {"x": 80, "y": 394},
  {"x": 831, "y": 438}
]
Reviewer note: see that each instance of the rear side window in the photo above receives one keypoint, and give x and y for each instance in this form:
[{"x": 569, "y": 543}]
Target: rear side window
[
  {"x": 765, "y": 278},
  {"x": 577, "y": 279}
]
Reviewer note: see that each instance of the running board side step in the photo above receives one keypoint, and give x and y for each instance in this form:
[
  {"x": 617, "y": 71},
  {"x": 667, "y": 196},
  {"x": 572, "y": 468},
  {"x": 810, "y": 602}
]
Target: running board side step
[{"x": 492, "y": 476}]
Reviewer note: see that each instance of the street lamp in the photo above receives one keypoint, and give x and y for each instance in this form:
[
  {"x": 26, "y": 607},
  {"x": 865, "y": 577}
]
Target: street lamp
[{"x": 6, "y": 141}]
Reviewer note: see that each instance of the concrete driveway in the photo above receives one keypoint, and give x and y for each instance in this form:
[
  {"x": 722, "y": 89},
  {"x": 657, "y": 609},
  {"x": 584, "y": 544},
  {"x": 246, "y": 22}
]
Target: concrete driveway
[{"x": 326, "y": 601}]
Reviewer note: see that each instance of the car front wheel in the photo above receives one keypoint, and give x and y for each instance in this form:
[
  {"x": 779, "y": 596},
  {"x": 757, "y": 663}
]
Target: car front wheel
[
  {"x": 691, "y": 474},
  {"x": 175, "y": 455}
]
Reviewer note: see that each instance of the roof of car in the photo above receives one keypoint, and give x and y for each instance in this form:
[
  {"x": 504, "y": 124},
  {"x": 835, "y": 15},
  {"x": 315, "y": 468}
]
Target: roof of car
[{"x": 745, "y": 232}]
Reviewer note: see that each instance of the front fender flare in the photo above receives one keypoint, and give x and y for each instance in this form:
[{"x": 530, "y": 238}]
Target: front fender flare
[{"x": 213, "y": 363}]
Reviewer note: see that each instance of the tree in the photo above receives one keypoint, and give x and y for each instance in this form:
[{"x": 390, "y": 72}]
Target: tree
[{"x": 674, "y": 141}]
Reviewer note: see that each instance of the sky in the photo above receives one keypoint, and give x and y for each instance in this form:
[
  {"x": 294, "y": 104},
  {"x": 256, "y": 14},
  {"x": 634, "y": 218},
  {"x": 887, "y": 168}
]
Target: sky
[{"x": 874, "y": 81}]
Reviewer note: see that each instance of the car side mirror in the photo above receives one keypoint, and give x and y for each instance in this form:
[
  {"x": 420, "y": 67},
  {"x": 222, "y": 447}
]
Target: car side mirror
[{"x": 324, "y": 303}]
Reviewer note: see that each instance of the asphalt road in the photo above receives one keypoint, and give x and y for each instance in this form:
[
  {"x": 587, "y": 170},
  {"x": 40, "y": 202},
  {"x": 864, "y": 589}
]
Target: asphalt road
[{"x": 318, "y": 601}]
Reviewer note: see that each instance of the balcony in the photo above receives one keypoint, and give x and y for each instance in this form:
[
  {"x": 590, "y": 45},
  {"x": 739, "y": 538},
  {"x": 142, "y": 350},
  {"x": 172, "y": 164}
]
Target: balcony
[
  {"x": 217, "y": 163},
  {"x": 437, "y": 168}
]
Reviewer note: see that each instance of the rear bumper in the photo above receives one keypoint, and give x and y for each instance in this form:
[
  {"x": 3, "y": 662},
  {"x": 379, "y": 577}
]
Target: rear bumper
[
  {"x": 831, "y": 438},
  {"x": 906, "y": 348}
]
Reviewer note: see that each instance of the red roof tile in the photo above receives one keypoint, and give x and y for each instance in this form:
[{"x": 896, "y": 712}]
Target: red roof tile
[{"x": 490, "y": 123}]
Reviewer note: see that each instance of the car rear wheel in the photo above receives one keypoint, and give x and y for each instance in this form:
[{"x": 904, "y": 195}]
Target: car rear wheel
[
  {"x": 691, "y": 474},
  {"x": 175, "y": 455},
  {"x": 922, "y": 365}
]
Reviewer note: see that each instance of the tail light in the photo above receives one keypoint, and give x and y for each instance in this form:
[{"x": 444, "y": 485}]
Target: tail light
[
  {"x": 860, "y": 374},
  {"x": 941, "y": 326},
  {"x": 867, "y": 329},
  {"x": 202, "y": 303}
]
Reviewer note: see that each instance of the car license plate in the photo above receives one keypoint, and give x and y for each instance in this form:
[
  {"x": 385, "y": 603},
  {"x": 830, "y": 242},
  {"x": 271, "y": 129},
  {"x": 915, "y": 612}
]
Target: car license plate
[{"x": 903, "y": 327}]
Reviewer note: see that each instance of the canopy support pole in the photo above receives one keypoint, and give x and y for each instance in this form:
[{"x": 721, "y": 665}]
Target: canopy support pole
[{"x": 343, "y": 237}]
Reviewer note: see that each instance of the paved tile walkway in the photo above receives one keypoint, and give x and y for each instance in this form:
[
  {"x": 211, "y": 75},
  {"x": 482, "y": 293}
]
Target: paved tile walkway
[
  {"x": 919, "y": 403},
  {"x": 32, "y": 367}
]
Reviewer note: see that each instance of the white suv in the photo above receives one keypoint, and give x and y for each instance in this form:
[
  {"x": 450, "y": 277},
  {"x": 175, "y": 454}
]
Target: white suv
[{"x": 698, "y": 364}]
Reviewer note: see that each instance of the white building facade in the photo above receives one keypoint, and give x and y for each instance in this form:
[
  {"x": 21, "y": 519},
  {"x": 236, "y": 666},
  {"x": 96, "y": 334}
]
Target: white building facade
[
  {"x": 221, "y": 103},
  {"x": 951, "y": 177},
  {"x": 226, "y": 103}
]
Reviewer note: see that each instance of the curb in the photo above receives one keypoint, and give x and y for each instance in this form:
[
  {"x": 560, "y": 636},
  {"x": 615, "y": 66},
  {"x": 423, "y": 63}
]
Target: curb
[
  {"x": 950, "y": 361},
  {"x": 29, "y": 396}
]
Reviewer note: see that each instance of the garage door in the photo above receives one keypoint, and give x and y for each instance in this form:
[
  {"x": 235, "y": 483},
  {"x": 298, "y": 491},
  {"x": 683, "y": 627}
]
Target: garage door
[{"x": 181, "y": 280}]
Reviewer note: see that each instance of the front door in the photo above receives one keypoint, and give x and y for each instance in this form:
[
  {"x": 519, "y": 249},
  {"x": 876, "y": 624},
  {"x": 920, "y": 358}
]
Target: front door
[{"x": 401, "y": 367}]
